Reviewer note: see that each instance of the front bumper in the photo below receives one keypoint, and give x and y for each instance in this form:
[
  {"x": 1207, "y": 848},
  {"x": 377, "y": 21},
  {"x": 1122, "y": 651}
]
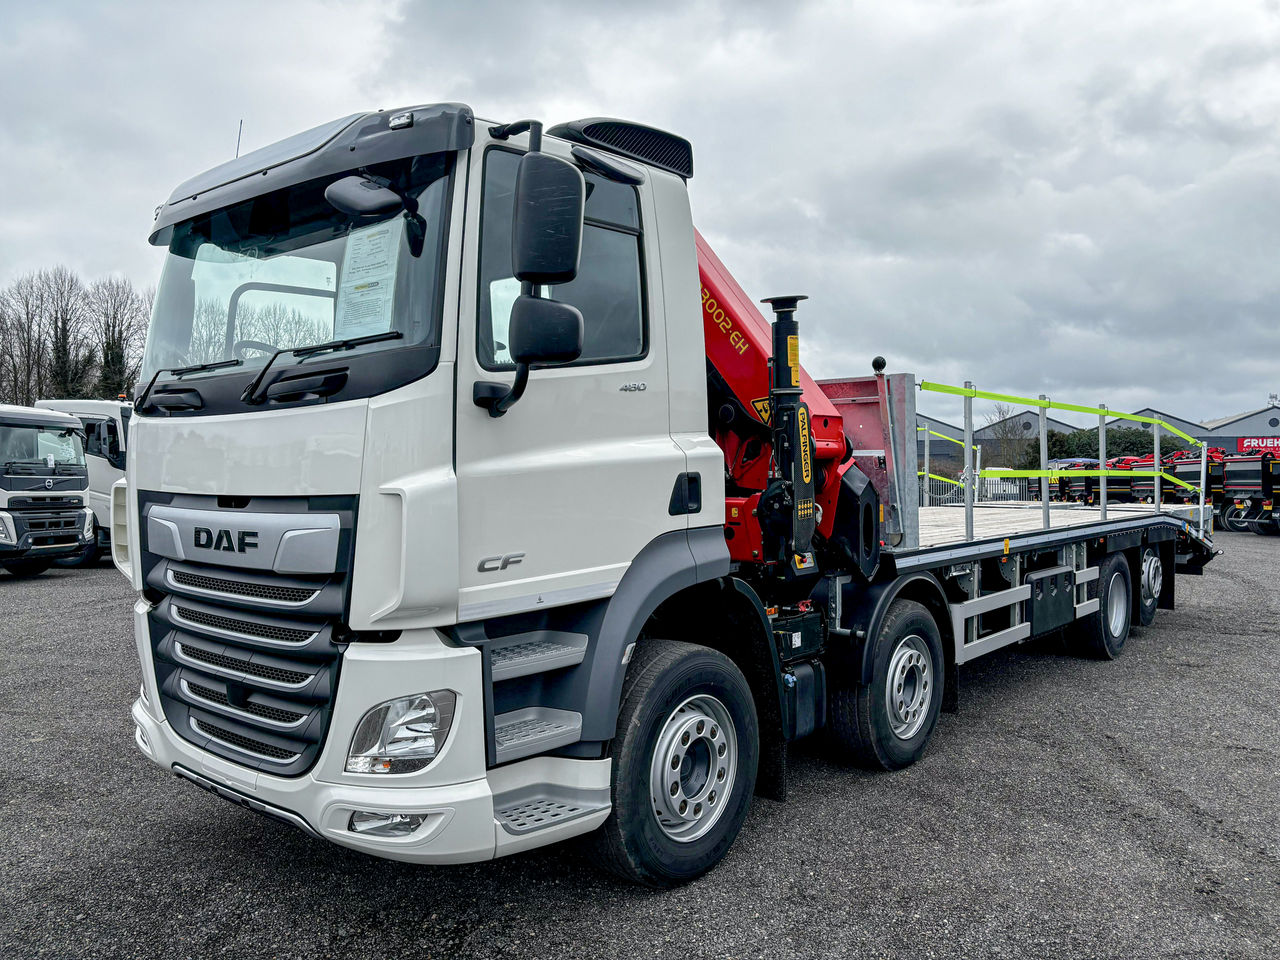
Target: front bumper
[
  {"x": 19, "y": 540},
  {"x": 455, "y": 793}
]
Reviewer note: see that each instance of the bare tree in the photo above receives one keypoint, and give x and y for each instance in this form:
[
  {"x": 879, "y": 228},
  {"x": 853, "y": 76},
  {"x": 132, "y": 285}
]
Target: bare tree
[
  {"x": 25, "y": 358},
  {"x": 72, "y": 355},
  {"x": 1008, "y": 440},
  {"x": 117, "y": 319}
]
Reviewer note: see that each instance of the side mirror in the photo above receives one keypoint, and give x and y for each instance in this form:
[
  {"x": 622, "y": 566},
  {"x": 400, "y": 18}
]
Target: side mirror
[
  {"x": 544, "y": 331},
  {"x": 107, "y": 444},
  {"x": 362, "y": 197},
  {"x": 546, "y": 228}
]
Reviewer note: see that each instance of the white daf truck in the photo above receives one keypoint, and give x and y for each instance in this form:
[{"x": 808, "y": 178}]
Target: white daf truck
[
  {"x": 42, "y": 489},
  {"x": 472, "y": 506},
  {"x": 106, "y": 424}
]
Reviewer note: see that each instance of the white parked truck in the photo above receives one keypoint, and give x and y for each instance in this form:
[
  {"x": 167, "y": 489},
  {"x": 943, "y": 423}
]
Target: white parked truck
[
  {"x": 42, "y": 489},
  {"x": 472, "y": 506},
  {"x": 106, "y": 424}
]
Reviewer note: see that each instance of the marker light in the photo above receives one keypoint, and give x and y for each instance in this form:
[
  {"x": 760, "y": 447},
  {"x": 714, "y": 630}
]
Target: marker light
[{"x": 403, "y": 735}]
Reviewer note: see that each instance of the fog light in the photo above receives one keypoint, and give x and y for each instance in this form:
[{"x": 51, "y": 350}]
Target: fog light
[
  {"x": 403, "y": 735},
  {"x": 372, "y": 824}
]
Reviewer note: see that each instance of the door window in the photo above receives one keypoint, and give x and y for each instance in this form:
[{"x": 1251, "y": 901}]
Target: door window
[{"x": 608, "y": 289}]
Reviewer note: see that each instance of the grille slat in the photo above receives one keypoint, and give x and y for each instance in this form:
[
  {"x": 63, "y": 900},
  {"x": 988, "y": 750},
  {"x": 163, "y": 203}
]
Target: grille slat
[
  {"x": 247, "y": 667},
  {"x": 241, "y": 742},
  {"x": 274, "y": 714},
  {"x": 249, "y": 628},
  {"x": 239, "y": 588}
]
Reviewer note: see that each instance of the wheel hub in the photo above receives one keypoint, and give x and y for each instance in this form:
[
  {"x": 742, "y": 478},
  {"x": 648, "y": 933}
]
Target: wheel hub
[
  {"x": 1152, "y": 576},
  {"x": 694, "y": 765},
  {"x": 909, "y": 686},
  {"x": 1117, "y": 604}
]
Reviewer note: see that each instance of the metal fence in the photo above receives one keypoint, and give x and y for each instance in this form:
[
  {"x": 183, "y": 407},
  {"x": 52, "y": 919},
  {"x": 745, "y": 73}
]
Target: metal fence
[
  {"x": 936, "y": 491},
  {"x": 970, "y": 483}
]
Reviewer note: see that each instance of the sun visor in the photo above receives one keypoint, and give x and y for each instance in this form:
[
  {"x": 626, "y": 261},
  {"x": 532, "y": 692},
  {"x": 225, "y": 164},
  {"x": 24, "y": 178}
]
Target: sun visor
[{"x": 336, "y": 147}]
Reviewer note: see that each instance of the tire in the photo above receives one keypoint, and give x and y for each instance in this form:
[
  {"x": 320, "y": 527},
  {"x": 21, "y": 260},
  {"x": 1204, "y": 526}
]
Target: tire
[
  {"x": 886, "y": 725},
  {"x": 686, "y": 709},
  {"x": 87, "y": 557},
  {"x": 1102, "y": 634},
  {"x": 26, "y": 568},
  {"x": 1265, "y": 526},
  {"x": 1232, "y": 518},
  {"x": 1150, "y": 577}
]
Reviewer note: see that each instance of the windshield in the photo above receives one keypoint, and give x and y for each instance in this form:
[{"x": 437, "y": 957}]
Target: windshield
[
  {"x": 32, "y": 446},
  {"x": 287, "y": 270}
]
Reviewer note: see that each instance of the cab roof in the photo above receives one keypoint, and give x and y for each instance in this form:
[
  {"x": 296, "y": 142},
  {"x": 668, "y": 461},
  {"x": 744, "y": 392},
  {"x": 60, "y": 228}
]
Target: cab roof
[{"x": 11, "y": 415}]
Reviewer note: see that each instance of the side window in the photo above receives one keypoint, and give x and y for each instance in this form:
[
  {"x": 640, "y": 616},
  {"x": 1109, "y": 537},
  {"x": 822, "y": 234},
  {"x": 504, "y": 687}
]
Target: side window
[
  {"x": 608, "y": 289},
  {"x": 92, "y": 440}
]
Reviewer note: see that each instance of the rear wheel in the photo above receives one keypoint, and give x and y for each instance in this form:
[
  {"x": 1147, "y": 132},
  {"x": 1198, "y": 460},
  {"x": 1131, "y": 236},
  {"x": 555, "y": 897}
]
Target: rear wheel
[
  {"x": 1233, "y": 518},
  {"x": 1102, "y": 634},
  {"x": 886, "y": 724},
  {"x": 1150, "y": 582},
  {"x": 1265, "y": 525},
  {"x": 26, "y": 568},
  {"x": 684, "y": 765}
]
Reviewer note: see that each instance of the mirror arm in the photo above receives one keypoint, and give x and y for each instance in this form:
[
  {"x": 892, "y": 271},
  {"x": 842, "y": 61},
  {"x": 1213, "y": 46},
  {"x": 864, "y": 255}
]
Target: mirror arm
[{"x": 498, "y": 398}]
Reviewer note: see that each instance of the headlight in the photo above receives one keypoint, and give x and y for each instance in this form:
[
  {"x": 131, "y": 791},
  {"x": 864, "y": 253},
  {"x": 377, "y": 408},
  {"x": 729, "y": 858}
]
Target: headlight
[
  {"x": 402, "y": 736},
  {"x": 88, "y": 523},
  {"x": 5, "y": 535}
]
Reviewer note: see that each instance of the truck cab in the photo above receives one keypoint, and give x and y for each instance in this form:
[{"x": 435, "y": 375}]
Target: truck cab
[
  {"x": 42, "y": 489},
  {"x": 106, "y": 426}
]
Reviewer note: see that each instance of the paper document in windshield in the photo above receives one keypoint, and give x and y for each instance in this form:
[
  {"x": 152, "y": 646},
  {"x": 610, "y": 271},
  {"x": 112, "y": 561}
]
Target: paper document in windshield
[{"x": 367, "y": 288}]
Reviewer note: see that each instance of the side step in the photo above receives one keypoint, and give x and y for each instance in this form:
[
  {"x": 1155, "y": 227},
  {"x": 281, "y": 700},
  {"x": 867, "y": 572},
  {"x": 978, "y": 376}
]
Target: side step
[
  {"x": 544, "y": 810},
  {"x": 536, "y": 652},
  {"x": 522, "y": 733}
]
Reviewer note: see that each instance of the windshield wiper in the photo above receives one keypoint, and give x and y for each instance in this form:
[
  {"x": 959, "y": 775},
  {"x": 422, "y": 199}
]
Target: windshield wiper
[
  {"x": 250, "y": 394},
  {"x": 183, "y": 371}
]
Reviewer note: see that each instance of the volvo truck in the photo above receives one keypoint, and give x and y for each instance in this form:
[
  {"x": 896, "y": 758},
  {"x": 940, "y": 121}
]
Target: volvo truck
[
  {"x": 42, "y": 489},
  {"x": 105, "y": 424},
  {"x": 472, "y": 505}
]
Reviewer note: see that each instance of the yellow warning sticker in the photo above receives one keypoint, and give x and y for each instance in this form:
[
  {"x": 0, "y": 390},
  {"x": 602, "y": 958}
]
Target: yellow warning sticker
[
  {"x": 763, "y": 409},
  {"x": 793, "y": 359}
]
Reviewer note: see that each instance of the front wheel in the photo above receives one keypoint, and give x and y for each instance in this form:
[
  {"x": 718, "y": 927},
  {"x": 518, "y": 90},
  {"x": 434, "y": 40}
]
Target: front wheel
[
  {"x": 684, "y": 765},
  {"x": 26, "y": 568},
  {"x": 886, "y": 724}
]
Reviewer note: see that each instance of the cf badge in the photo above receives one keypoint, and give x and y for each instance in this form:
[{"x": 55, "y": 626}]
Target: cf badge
[{"x": 494, "y": 564}]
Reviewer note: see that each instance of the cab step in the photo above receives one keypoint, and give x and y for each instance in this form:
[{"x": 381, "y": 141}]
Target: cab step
[
  {"x": 536, "y": 652},
  {"x": 546, "y": 810},
  {"x": 524, "y": 732}
]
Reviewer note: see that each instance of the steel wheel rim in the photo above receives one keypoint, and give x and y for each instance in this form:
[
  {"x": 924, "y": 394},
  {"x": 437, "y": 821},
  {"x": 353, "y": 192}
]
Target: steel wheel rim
[
  {"x": 1152, "y": 576},
  {"x": 1117, "y": 601},
  {"x": 693, "y": 769},
  {"x": 909, "y": 686}
]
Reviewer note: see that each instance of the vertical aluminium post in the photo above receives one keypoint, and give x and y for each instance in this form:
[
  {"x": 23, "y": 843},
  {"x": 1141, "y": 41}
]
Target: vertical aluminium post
[
  {"x": 1156, "y": 493},
  {"x": 1044, "y": 462},
  {"x": 977, "y": 472},
  {"x": 968, "y": 461},
  {"x": 928, "y": 479},
  {"x": 1204, "y": 480},
  {"x": 1102, "y": 459}
]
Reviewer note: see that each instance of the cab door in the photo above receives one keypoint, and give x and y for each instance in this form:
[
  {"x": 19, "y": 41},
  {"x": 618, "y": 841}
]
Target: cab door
[{"x": 558, "y": 495}]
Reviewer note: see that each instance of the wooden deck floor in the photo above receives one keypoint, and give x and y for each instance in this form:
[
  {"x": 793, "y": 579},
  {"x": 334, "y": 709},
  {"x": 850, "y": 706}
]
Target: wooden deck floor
[{"x": 940, "y": 526}]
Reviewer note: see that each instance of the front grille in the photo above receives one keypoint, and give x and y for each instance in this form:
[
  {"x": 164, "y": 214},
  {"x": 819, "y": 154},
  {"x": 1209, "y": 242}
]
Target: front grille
[
  {"x": 274, "y": 714},
  {"x": 48, "y": 524},
  {"x": 246, "y": 667},
  {"x": 241, "y": 742},
  {"x": 249, "y": 628},
  {"x": 42, "y": 503},
  {"x": 258, "y": 591}
]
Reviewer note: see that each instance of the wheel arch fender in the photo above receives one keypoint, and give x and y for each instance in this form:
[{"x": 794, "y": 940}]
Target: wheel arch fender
[{"x": 872, "y": 606}]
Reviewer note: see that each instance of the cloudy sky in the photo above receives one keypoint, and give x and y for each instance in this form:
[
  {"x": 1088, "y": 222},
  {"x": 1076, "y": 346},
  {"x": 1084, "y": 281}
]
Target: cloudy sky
[{"x": 1080, "y": 199}]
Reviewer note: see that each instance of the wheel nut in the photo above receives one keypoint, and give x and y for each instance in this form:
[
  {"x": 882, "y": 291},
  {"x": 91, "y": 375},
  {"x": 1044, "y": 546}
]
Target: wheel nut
[
  {"x": 720, "y": 749},
  {"x": 701, "y": 726},
  {"x": 684, "y": 739},
  {"x": 684, "y": 805},
  {"x": 675, "y": 763},
  {"x": 715, "y": 731},
  {"x": 675, "y": 788},
  {"x": 711, "y": 797},
  {"x": 720, "y": 775},
  {"x": 697, "y": 809}
]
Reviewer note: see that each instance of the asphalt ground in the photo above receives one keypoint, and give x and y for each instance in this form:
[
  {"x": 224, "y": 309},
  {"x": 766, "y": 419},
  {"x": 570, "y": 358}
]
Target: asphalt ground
[{"x": 1071, "y": 808}]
